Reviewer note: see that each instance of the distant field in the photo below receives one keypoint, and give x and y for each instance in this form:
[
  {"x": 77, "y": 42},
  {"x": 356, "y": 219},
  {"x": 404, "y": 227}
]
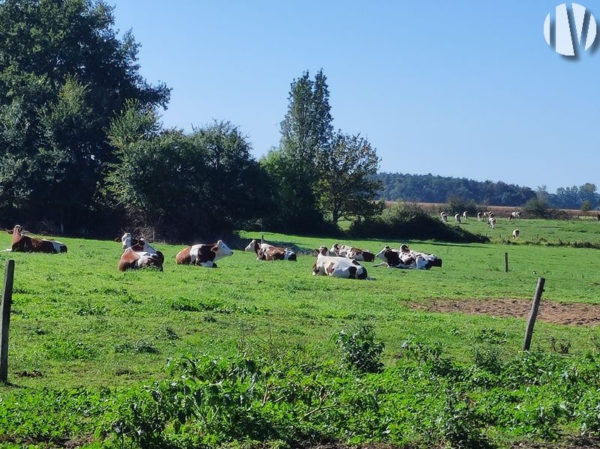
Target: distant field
[
  {"x": 78, "y": 322},
  {"x": 501, "y": 211}
]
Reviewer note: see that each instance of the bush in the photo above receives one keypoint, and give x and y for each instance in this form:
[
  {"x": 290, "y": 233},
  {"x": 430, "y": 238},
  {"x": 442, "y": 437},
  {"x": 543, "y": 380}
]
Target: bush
[
  {"x": 407, "y": 221},
  {"x": 360, "y": 350}
]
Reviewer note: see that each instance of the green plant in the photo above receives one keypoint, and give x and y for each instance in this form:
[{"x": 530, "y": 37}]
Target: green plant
[{"x": 360, "y": 350}]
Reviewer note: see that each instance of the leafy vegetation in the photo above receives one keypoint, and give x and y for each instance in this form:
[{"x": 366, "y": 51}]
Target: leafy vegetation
[{"x": 406, "y": 221}]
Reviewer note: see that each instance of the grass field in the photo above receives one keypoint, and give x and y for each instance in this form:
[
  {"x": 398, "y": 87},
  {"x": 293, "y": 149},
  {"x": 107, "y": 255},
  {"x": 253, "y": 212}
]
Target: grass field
[{"x": 78, "y": 322}]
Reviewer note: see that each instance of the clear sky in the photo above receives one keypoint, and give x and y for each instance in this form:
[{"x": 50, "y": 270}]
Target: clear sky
[{"x": 453, "y": 88}]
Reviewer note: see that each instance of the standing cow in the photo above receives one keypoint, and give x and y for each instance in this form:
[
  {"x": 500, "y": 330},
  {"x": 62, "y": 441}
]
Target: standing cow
[{"x": 25, "y": 244}]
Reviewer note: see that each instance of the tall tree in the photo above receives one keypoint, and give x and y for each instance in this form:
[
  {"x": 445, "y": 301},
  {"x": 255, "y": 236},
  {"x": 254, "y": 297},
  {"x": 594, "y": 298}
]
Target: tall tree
[
  {"x": 347, "y": 183},
  {"x": 305, "y": 132},
  {"x": 64, "y": 73}
]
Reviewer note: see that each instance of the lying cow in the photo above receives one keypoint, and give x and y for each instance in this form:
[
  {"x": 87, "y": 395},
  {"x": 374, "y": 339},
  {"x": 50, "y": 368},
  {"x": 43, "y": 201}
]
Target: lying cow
[
  {"x": 139, "y": 254},
  {"x": 25, "y": 244},
  {"x": 265, "y": 251},
  {"x": 203, "y": 254},
  {"x": 336, "y": 266},
  {"x": 351, "y": 253},
  {"x": 407, "y": 259}
]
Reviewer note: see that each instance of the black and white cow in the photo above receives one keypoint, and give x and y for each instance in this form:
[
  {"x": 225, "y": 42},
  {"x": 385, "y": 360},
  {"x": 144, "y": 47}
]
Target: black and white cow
[
  {"x": 362, "y": 255},
  {"x": 336, "y": 266},
  {"x": 405, "y": 258}
]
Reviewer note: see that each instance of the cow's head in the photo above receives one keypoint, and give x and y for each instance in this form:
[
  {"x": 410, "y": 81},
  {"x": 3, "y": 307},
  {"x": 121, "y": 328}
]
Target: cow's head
[
  {"x": 252, "y": 246},
  {"x": 17, "y": 230},
  {"x": 335, "y": 249},
  {"x": 127, "y": 240},
  {"x": 322, "y": 251},
  {"x": 383, "y": 253},
  {"x": 404, "y": 249},
  {"x": 221, "y": 250}
]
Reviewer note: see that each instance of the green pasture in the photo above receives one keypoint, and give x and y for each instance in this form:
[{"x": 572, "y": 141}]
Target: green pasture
[
  {"x": 77, "y": 321},
  {"x": 580, "y": 231}
]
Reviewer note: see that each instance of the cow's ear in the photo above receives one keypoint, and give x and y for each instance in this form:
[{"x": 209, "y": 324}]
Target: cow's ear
[{"x": 215, "y": 248}]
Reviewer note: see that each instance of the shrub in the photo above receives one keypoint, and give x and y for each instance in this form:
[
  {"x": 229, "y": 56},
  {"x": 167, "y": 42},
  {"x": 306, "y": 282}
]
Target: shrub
[
  {"x": 408, "y": 221},
  {"x": 360, "y": 350}
]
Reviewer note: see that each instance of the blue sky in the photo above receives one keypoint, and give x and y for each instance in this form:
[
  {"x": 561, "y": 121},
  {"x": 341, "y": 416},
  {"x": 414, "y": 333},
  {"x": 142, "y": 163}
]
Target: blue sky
[{"x": 461, "y": 88}]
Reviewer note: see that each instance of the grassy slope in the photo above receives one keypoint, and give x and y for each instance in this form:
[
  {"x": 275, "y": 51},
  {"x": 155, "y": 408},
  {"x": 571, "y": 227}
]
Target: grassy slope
[{"x": 79, "y": 321}]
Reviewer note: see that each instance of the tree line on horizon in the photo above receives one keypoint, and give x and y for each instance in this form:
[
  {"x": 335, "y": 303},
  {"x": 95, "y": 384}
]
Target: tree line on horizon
[
  {"x": 442, "y": 189},
  {"x": 82, "y": 150}
]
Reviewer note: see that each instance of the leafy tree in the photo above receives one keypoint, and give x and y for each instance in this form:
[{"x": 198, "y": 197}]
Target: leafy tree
[
  {"x": 347, "y": 186},
  {"x": 305, "y": 132},
  {"x": 537, "y": 207},
  {"x": 184, "y": 186},
  {"x": 64, "y": 73}
]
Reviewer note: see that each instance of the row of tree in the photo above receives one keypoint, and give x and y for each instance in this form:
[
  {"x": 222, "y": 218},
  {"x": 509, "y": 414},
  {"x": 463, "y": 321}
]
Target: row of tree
[
  {"x": 82, "y": 150},
  {"x": 440, "y": 189}
]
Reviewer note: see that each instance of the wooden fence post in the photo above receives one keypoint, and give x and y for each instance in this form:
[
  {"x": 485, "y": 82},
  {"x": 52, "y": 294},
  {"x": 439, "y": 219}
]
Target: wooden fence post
[
  {"x": 506, "y": 262},
  {"x": 5, "y": 318},
  {"x": 534, "y": 311}
]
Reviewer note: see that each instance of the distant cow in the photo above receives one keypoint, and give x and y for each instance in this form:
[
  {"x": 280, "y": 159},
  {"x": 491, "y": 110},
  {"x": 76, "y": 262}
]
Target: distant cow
[
  {"x": 203, "y": 254},
  {"x": 139, "y": 254},
  {"x": 464, "y": 215},
  {"x": 405, "y": 258},
  {"x": 515, "y": 215},
  {"x": 478, "y": 216},
  {"x": 363, "y": 255},
  {"x": 515, "y": 234},
  {"x": 25, "y": 244},
  {"x": 265, "y": 251},
  {"x": 444, "y": 217},
  {"x": 457, "y": 218},
  {"x": 336, "y": 266},
  {"x": 492, "y": 222}
]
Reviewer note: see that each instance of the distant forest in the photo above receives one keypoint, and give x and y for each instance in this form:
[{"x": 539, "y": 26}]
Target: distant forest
[{"x": 440, "y": 189}]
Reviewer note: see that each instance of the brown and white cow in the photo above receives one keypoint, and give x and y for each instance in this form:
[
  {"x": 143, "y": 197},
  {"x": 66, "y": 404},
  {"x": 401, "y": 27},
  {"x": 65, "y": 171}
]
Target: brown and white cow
[
  {"x": 203, "y": 254},
  {"x": 362, "y": 255},
  {"x": 265, "y": 251},
  {"x": 515, "y": 233},
  {"x": 25, "y": 244},
  {"x": 132, "y": 259},
  {"x": 336, "y": 266},
  {"x": 405, "y": 258},
  {"x": 139, "y": 254}
]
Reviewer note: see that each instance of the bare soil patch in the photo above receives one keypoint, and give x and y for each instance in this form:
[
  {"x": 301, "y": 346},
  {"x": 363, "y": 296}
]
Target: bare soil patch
[{"x": 576, "y": 314}]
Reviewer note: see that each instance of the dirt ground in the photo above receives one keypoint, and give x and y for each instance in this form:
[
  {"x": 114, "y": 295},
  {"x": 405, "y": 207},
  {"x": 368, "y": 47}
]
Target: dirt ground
[{"x": 576, "y": 314}]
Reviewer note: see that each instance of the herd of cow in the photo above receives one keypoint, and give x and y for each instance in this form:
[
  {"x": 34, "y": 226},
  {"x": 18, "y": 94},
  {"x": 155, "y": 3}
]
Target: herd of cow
[{"x": 338, "y": 261}]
